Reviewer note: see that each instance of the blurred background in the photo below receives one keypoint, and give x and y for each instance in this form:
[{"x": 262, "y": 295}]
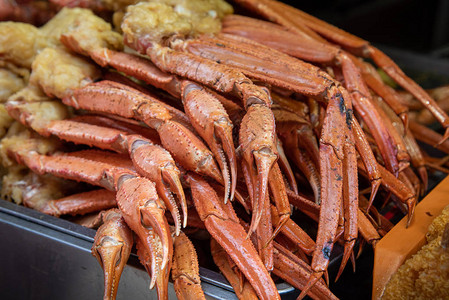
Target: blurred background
[{"x": 415, "y": 25}]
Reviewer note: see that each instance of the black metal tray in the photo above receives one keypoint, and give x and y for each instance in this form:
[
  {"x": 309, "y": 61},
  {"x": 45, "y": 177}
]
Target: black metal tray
[{"x": 43, "y": 257}]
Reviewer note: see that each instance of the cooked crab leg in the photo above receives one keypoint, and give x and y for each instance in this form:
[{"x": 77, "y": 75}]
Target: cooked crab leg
[
  {"x": 81, "y": 203},
  {"x": 137, "y": 199},
  {"x": 367, "y": 230},
  {"x": 416, "y": 157},
  {"x": 211, "y": 121},
  {"x": 150, "y": 160},
  {"x": 295, "y": 20},
  {"x": 243, "y": 290},
  {"x": 368, "y": 158},
  {"x": 294, "y": 271},
  {"x": 375, "y": 83},
  {"x": 125, "y": 102},
  {"x": 350, "y": 204},
  {"x": 112, "y": 247},
  {"x": 216, "y": 131},
  {"x": 429, "y": 136},
  {"x": 398, "y": 188},
  {"x": 294, "y": 233},
  {"x": 300, "y": 45},
  {"x": 285, "y": 166},
  {"x": 185, "y": 270},
  {"x": 227, "y": 231}
]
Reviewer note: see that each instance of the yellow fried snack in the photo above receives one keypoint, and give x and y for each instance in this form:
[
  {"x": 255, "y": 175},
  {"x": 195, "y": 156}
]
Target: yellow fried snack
[{"x": 426, "y": 274}]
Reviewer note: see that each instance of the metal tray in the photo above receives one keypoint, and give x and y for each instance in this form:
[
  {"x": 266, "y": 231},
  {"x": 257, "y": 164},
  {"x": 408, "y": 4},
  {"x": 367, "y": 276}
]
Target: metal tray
[{"x": 43, "y": 257}]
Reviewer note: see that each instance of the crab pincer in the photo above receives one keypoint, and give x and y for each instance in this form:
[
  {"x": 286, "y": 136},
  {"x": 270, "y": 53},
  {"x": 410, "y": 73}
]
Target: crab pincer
[
  {"x": 112, "y": 247},
  {"x": 142, "y": 209},
  {"x": 185, "y": 270},
  {"x": 183, "y": 145},
  {"x": 211, "y": 121},
  {"x": 258, "y": 146}
]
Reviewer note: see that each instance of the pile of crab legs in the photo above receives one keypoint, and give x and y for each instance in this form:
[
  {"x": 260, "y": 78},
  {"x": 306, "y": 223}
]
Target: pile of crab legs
[{"x": 216, "y": 63}]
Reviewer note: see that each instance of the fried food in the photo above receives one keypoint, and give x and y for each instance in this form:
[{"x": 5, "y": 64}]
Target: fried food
[{"x": 426, "y": 274}]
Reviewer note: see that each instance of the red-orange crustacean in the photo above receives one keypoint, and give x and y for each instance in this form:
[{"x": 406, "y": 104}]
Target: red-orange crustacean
[{"x": 209, "y": 71}]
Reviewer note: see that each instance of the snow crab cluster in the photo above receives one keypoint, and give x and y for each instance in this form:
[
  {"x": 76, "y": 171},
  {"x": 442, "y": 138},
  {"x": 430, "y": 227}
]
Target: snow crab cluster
[{"x": 219, "y": 122}]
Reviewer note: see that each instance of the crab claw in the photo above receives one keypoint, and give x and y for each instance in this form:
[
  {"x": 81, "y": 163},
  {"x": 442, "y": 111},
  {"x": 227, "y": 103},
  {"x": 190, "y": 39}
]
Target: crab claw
[
  {"x": 143, "y": 211},
  {"x": 258, "y": 144},
  {"x": 185, "y": 270},
  {"x": 223, "y": 225},
  {"x": 151, "y": 261},
  {"x": 155, "y": 163},
  {"x": 211, "y": 121},
  {"x": 112, "y": 246}
]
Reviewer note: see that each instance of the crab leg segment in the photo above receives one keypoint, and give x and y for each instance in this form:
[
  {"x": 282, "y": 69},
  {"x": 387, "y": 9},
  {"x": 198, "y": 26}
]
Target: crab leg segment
[
  {"x": 137, "y": 199},
  {"x": 185, "y": 147},
  {"x": 294, "y": 271},
  {"x": 258, "y": 145},
  {"x": 81, "y": 203},
  {"x": 332, "y": 156},
  {"x": 112, "y": 247},
  {"x": 231, "y": 236},
  {"x": 368, "y": 158},
  {"x": 243, "y": 290},
  {"x": 137, "y": 67},
  {"x": 185, "y": 270},
  {"x": 295, "y": 19},
  {"x": 350, "y": 204},
  {"x": 212, "y": 123}
]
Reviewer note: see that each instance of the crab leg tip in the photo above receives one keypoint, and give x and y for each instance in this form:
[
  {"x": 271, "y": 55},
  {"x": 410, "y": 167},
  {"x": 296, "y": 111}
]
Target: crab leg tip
[
  {"x": 424, "y": 177},
  {"x": 160, "y": 227},
  {"x": 404, "y": 118},
  {"x": 171, "y": 176},
  {"x": 375, "y": 185},
  {"x": 410, "y": 211},
  {"x": 152, "y": 282},
  {"x": 445, "y": 137},
  {"x": 349, "y": 246},
  {"x": 282, "y": 220},
  {"x": 313, "y": 279},
  {"x": 228, "y": 147}
]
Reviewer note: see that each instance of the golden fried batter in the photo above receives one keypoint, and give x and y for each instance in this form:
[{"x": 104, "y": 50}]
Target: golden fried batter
[
  {"x": 37, "y": 114},
  {"x": 9, "y": 84},
  {"x": 21, "y": 185},
  {"x": 58, "y": 73},
  {"x": 90, "y": 31},
  {"x": 159, "y": 20},
  {"x": 426, "y": 274},
  {"x": 20, "y": 42},
  {"x": 5, "y": 120}
]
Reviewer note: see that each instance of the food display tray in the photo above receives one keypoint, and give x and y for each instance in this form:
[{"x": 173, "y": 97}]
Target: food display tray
[{"x": 43, "y": 257}]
